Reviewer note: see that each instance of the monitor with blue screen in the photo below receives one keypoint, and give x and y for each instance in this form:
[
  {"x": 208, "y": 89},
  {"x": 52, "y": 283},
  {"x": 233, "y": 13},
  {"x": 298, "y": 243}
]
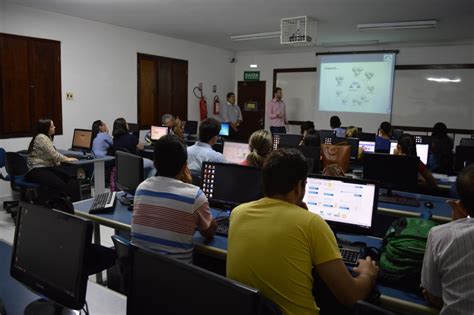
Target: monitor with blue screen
[{"x": 224, "y": 129}]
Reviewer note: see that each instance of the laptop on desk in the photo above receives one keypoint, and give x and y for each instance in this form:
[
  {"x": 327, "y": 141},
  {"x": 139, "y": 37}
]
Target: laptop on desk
[{"x": 229, "y": 185}]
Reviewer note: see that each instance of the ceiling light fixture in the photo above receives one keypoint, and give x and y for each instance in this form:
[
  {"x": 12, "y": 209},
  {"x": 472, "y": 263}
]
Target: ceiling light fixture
[
  {"x": 255, "y": 36},
  {"x": 397, "y": 25},
  {"x": 444, "y": 80},
  {"x": 349, "y": 43},
  {"x": 253, "y": 66}
]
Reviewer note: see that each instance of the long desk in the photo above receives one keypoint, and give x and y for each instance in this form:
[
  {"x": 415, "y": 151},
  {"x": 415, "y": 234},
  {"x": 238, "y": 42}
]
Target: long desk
[
  {"x": 16, "y": 297},
  {"x": 391, "y": 298}
]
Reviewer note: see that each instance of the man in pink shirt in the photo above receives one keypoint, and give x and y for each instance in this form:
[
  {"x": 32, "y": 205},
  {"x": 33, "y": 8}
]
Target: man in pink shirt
[{"x": 277, "y": 113}]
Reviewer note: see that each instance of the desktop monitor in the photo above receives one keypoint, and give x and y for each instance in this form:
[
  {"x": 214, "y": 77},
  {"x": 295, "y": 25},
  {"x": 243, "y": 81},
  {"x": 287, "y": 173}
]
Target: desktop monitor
[
  {"x": 82, "y": 139},
  {"x": 397, "y": 133},
  {"x": 134, "y": 128},
  {"x": 345, "y": 204},
  {"x": 353, "y": 142},
  {"x": 313, "y": 157},
  {"x": 228, "y": 185},
  {"x": 173, "y": 287},
  {"x": 156, "y": 132},
  {"x": 129, "y": 171},
  {"x": 326, "y": 136},
  {"x": 467, "y": 142},
  {"x": 224, "y": 132},
  {"x": 464, "y": 157},
  {"x": 235, "y": 152},
  {"x": 422, "y": 139},
  {"x": 285, "y": 140},
  {"x": 392, "y": 171},
  {"x": 49, "y": 256},
  {"x": 422, "y": 151},
  {"x": 365, "y": 136},
  {"x": 367, "y": 146},
  {"x": 191, "y": 127}
]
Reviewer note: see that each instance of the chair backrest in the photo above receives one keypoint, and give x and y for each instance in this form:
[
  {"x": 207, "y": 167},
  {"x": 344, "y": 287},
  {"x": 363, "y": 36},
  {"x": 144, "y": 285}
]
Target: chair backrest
[
  {"x": 122, "y": 249},
  {"x": 2, "y": 157},
  {"x": 111, "y": 150},
  {"x": 364, "y": 308},
  {"x": 15, "y": 164}
]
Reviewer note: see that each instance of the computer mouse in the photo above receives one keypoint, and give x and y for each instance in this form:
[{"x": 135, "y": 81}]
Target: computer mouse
[
  {"x": 89, "y": 157},
  {"x": 429, "y": 205}
]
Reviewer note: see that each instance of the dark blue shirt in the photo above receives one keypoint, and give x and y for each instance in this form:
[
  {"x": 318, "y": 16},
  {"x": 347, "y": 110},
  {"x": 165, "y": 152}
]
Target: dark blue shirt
[{"x": 126, "y": 141}]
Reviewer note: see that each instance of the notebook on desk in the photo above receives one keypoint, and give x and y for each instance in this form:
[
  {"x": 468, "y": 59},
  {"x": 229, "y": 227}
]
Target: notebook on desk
[{"x": 229, "y": 185}]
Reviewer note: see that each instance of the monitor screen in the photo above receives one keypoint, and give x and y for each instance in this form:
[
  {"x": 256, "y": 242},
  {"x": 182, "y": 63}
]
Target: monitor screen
[
  {"x": 175, "y": 287},
  {"x": 228, "y": 185},
  {"x": 235, "y": 152},
  {"x": 366, "y": 136},
  {"x": 286, "y": 140},
  {"x": 422, "y": 151},
  {"x": 156, "y": 132},
  {"x": 224, "y": 129},
  {"x": 313, "y": 157},
  {"x": 353, "y": 142},
  {"x": 346, "y": 203},
  {"x": 191, "y": 127},
  {"x": 367, "y": 146},
  {"x": 326, "y": 136},
  {"x": 49, "y": 254},
  {"x": 134, "y": 128},
  {"x": 129, "y": 171},
  {"x": 464, "y": 157},
  {"x": 392, "y": 171},
  {"x": 82, "y": 139},
  {"x": 422, "y": 139}
]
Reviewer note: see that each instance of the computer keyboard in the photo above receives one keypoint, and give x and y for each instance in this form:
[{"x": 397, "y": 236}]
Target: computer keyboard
[
  {"x": 222, "y": 226},
  {"x": 103, "y": 203},
  {"x": 350, "y": 254},
  {"x": 399, "y": 200}
]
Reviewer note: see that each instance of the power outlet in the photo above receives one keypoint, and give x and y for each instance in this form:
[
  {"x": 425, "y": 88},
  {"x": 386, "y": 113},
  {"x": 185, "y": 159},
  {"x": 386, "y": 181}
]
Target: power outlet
[
  {"x": 69, "y": 96},
  {"x": 214, "y": 88}
]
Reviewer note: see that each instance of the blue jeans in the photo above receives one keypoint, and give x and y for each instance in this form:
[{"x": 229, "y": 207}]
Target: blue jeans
[{"x": 148, "y": 168}]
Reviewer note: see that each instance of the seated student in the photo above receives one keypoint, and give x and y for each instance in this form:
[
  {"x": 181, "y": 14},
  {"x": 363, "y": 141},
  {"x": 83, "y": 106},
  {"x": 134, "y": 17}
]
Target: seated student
[
  {"x": 275, "y": 242},
  {"x": 123, "y": 139},
  {"x": 382, "y": 141},
  {"x": 260, "y": 146},
  {"x": 175, "y": 127},
  {"x": 441, "y": 158},
  {"x": 167, "y": 208},
  {"x": 305, "y": 127},
  {"x": 353, "y": 132},
  {"x": 202, "y": 150},
  {"x": 447, "y": 278},
  {"x": 44, "y": 165},
  {"x": 335, "y": 123},
  {"x": 407, "y": 146},
  {"x": 101, "y": 140},
  {"x": 312, "y": 138},
  {"x": 334, "y": 170}
]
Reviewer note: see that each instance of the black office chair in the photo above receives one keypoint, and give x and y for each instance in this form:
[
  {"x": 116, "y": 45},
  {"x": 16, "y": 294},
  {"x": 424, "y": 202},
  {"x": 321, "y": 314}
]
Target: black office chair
[
  {"x": 7, "y": 205},
  {"x": 122, "y": 249},
  {"x": 365, "y": 308},
  {"x": 16, "y": 168}
]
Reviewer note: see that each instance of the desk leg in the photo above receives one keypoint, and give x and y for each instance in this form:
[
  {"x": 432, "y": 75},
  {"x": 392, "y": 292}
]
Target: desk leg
[
  {"x": 98, "y": 276},
  {"x": 99, "y": 177}
]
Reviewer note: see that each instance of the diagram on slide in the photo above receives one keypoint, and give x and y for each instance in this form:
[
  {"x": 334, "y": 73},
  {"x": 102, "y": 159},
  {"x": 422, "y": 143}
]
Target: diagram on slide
[{"x": 356, "y": 87}]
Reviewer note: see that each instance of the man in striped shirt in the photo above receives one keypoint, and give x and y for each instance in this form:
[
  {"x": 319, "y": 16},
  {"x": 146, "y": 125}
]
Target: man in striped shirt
[
  {"x": 447, "y": 276},
  {"x": 167, "y": 208}
]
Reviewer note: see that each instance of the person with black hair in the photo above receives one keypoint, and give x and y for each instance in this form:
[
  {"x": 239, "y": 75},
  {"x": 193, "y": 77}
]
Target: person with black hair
[
  {"x": 276, "y": 111},
  {"x": 335, "y": 123},
  {"x": 441, "y": 157},
  {"x": 231, "y": 113},
  {"x": 306, "y": 126},
  {"x": 44, "y": 165},
  {"x": 202, "y": 150},
  {"x": 274, "y": 243},
  {"x": 407, "y": 146},
  {"x": 312, "y": 138},
  {"x": 167, "y": 208},
  {"x": 123, "y": 139},
  {"x": 382, "y": 140},
  {"x": 101, "y": 140},
  {"x": 446, "y": 277}
]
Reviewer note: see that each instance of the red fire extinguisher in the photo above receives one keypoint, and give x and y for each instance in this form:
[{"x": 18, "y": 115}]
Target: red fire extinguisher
[
  {"x": 202, "y": 108},
  {"x": 217, "y": 105}
]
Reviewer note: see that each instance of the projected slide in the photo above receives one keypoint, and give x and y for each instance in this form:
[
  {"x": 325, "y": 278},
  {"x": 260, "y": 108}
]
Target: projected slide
[{"x": 360, "y": 83}]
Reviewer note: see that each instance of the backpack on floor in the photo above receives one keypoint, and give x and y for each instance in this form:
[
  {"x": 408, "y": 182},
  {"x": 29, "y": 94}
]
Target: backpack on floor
[{"x": 403, "y": 250}]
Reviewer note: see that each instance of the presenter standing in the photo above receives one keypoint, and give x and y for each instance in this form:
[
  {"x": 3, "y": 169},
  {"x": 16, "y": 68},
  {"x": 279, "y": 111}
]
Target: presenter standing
[
  {"x": 277, "y": 113},
  {"x": 232, "y": 114}
]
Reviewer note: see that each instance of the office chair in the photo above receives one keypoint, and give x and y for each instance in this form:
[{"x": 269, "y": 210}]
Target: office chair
[
  {"x": 122, "y": 249},
  {"x": 365, "y": 308},
  {"x": 16, "y": 168},
  {"x": 7, "y": 205}
]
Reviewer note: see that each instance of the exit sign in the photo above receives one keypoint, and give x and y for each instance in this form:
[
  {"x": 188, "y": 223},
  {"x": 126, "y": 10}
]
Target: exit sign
[{"x": 251, "y": 75}]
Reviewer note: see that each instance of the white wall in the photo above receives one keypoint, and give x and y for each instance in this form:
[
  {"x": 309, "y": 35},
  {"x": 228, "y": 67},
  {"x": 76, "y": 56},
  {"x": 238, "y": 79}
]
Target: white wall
[
  {"x": 99, "y": 64},
  {"x": 267, "y": 61}
]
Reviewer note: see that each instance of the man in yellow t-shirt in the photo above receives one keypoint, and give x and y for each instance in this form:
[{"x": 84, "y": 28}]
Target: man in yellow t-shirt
[{"x": 275, "y": 242}]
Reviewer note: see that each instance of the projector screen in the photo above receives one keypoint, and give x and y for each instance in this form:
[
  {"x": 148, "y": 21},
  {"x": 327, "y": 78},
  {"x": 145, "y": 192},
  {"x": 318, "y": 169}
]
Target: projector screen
[{"x": 356, "y": 83}]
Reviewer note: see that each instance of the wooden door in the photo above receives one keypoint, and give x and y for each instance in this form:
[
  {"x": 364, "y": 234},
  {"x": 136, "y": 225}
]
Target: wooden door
[
  {"x": 251, "y": 100},
  {"x": 180, "y": 89},
  {"x": 147, "y": 91}
]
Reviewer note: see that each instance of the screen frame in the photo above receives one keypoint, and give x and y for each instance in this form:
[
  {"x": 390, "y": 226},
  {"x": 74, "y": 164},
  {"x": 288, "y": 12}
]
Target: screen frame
[
  {"x": 139, "y": 170},
  {"x": 160, "y": 128},
  {"x": 89, "y": 148},
  {"x": 224, "y": 126},
  {"x": 347, "y": 227},
  {"x": 42, "y": 288}
]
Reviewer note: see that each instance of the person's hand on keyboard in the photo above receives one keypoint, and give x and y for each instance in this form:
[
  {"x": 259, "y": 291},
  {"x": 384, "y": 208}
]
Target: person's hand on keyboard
[
  {"x": 368, "y": 268},
  {"x": 70, "y": 159}
]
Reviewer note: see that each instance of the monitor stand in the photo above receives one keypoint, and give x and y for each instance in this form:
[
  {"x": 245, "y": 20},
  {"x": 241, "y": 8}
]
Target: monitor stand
[{"x": 45, "y": 307}]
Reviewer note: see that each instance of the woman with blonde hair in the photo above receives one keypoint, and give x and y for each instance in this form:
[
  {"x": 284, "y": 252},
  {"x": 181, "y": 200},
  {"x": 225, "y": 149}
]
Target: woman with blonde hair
[{"x": 260, "y": 146}]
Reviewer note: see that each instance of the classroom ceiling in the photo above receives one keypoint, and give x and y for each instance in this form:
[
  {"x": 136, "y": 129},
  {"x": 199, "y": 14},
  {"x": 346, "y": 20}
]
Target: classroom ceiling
[{"x": 212, "y": 22}]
